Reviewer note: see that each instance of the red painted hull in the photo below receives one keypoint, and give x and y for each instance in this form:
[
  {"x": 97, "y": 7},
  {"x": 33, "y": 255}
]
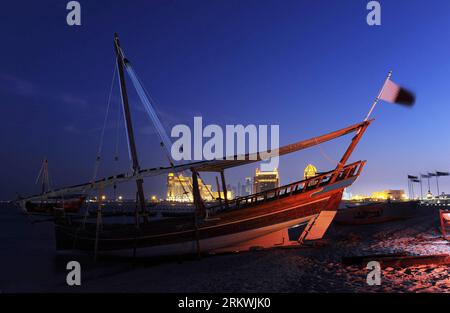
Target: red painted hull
[{"x": 224, "y": 230}]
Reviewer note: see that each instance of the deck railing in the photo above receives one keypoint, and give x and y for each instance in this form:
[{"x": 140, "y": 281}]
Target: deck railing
[{"x": 323, "y": 179}]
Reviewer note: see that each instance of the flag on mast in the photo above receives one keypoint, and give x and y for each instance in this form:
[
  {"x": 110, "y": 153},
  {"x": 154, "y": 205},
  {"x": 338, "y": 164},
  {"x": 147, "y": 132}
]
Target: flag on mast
[{"x": 396, "y": 94}]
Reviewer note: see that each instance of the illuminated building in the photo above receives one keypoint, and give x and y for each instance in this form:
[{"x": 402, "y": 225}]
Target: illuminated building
[
  {"x": 346, "y": 195},
  {"x": 310, "y": 171},
  {"x": 234, "y": 190},
  {"x": 179, "y": 189},
  {"x": 216, "y": 195},
  {"x": 206, "y": 191},
  {"x": 248, "y": 187},
  {"x": 360, "y": 197},
  {"x": 265, "y": 180},
  {"x": 389, "y": 194}
]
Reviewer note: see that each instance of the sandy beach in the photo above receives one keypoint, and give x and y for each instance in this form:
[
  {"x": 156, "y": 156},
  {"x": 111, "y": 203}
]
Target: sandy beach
[{"x": 32, "y": 265}]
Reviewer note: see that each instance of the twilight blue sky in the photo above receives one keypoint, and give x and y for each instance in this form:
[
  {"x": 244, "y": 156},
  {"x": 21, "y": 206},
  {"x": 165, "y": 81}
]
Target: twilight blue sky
[{"x": 309, "y": 66}]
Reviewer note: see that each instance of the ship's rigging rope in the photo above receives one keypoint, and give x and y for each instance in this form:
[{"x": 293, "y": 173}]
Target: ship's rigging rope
[
  {"x": 44, "y": 176},
  {"x": 116, "y": 152},
  {"x": 166, "y": 143},
  {"x": 146, "y": 100},
  {"x": 144, "y": 96},
  {"x": 324, "y": 154},
  {"x": 105, "y": 121},
  {"x": 100, "y": 146}
]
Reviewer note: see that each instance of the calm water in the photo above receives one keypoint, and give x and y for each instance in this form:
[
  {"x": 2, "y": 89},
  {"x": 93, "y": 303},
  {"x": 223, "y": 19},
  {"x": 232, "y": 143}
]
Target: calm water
[
  {"x": 28, "y": 258},
  {"x": 29, "y": 261},
  {"x": 27, "y": 253}
]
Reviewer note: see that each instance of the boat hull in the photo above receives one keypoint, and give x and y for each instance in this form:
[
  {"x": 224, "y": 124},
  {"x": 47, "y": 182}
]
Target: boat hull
[
  {"x": 70, "y": 205},
  {"x": 232, "y": 230}
]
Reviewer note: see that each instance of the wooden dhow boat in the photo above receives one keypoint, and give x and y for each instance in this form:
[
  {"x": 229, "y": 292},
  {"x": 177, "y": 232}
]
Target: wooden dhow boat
[{"x": 259, "y": 220}]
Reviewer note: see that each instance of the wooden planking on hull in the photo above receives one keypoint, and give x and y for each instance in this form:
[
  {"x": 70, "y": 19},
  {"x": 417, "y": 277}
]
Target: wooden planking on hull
[{"x": 181, "y": 230}]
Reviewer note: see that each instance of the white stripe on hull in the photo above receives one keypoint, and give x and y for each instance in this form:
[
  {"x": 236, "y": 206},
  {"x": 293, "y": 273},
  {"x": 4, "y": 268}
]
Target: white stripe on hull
[{"x": 222, "y": 243}]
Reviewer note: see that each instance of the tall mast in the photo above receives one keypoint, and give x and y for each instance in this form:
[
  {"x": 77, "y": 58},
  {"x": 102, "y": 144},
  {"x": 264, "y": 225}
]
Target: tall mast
[{"x": 130, "y": 133}]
